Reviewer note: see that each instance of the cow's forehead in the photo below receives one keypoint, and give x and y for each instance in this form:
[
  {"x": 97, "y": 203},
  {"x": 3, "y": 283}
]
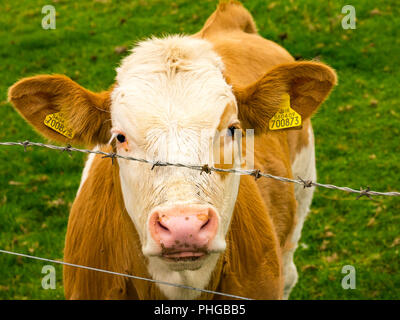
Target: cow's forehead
[{"x": 174, "y": 80}]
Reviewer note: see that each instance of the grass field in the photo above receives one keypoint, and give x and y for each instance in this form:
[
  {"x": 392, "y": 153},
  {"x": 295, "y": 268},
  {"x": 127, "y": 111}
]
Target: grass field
[{"x": 357, "y": 130}]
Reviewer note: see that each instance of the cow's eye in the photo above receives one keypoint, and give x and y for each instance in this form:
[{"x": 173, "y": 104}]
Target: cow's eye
[{"x": 121, "y": 138}]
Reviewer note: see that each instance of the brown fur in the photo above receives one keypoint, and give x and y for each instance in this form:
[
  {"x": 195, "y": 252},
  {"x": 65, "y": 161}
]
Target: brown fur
[{"x": 101, "y": 234}]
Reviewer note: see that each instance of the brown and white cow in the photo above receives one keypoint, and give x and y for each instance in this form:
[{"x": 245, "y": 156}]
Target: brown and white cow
[{"x": 218, "y": 231}]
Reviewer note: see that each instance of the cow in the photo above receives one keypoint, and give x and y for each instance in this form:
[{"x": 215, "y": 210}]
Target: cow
[{"x": 222, "y": 232}]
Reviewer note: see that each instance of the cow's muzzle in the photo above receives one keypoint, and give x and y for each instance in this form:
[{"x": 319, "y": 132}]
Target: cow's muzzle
[{"x": 183, "y": 233}]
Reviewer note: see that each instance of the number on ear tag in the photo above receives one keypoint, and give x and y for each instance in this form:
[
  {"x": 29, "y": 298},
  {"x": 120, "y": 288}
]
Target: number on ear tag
[
  {"x": 286, "y": 117},
  {"x": 57, "y": 122}
]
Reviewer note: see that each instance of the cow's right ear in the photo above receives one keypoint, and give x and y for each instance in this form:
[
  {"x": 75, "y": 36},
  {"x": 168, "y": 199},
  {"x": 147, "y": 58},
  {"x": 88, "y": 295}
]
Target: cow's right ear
[
  {"x": 85, "y": 112},
  {"x": 307, "y": 83}
]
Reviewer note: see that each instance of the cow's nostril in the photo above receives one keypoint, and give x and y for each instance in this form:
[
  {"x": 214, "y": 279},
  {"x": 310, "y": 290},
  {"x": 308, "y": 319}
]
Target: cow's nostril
[
  {"x": 205, "y": 224},
  {"x": 162, "y": 226}
]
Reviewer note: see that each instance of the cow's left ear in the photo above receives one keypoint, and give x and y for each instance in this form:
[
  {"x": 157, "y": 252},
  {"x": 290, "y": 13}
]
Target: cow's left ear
[
  {"x": 86, "y": 114},
  {"x": 307, "y": 83}
]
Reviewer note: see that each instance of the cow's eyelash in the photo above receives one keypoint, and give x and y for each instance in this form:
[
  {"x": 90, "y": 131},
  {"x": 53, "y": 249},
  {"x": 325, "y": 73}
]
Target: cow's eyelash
[
  {"x": 113, "y": 136},
  {"x": 231, "y": 129}
]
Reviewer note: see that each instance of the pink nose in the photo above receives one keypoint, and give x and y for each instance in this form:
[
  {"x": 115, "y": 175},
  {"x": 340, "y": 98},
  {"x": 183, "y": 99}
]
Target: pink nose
[{"x": 183, "y": 231}]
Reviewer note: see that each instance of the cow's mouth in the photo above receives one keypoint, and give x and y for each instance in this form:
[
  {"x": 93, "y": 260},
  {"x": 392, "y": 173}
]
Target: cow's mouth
[
  {"x": 186, "y": 260},
  {"x": 186, "y": 256}
]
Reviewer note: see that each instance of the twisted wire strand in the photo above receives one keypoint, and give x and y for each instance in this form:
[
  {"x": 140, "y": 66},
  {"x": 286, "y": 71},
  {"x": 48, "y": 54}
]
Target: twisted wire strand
[{"x": 205, "y": 168}]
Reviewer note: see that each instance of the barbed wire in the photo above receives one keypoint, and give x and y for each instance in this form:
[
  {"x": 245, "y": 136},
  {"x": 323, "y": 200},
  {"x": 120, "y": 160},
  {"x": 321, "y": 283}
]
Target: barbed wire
[
  {"x": 202, "y": 168},
  {"x": 123, "y": 274},
  {"x": 207, "y": 169}
]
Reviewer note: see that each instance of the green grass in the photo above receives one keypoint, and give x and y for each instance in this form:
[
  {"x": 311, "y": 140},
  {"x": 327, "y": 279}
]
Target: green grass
[{"x": 357, "y": 142}]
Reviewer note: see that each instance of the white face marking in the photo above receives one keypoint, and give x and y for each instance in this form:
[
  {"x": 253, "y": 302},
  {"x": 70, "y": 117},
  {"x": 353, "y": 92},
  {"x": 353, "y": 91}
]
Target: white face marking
[{"x": 169, "y": 92}]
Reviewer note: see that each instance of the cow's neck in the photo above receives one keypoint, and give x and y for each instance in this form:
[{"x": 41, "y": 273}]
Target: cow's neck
[{"x": 253, "y": 251}]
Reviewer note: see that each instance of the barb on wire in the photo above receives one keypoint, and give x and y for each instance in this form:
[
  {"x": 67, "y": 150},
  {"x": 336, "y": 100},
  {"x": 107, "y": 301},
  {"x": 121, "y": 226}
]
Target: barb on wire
[
  {"x": 67, "y": 149},
  {"x": 124, "y": 275},
  {"x": 207, "y": 169},
  {"x": 306, "y": 183},
  {"x": 364, "y": 193},
  {"x": 25, "y": 144},
  {"x": 112, "y": 156},
  {"x": 257, "y": 174}
]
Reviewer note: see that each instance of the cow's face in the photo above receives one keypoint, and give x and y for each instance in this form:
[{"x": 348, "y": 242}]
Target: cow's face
[{"x": 172, "y": 104}]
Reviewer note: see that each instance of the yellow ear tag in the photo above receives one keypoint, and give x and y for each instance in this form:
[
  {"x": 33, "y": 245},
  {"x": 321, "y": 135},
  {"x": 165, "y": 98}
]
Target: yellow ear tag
[
  {"x": 286, "y": 117},
  {"x": 57, "y": 122}
]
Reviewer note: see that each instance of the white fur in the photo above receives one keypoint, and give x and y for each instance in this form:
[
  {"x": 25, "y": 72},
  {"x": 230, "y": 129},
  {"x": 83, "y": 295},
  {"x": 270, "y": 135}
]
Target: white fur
[
  {"x": 169, "y": 92},
  {"x": 303, "y": 166},
  {"x": 86, "y": 169}
]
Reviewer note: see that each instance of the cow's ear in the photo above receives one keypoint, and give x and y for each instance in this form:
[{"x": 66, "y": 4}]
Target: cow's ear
[
  {"x": 86, "y": 113},
  {"x": 307, "y": 83}
]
